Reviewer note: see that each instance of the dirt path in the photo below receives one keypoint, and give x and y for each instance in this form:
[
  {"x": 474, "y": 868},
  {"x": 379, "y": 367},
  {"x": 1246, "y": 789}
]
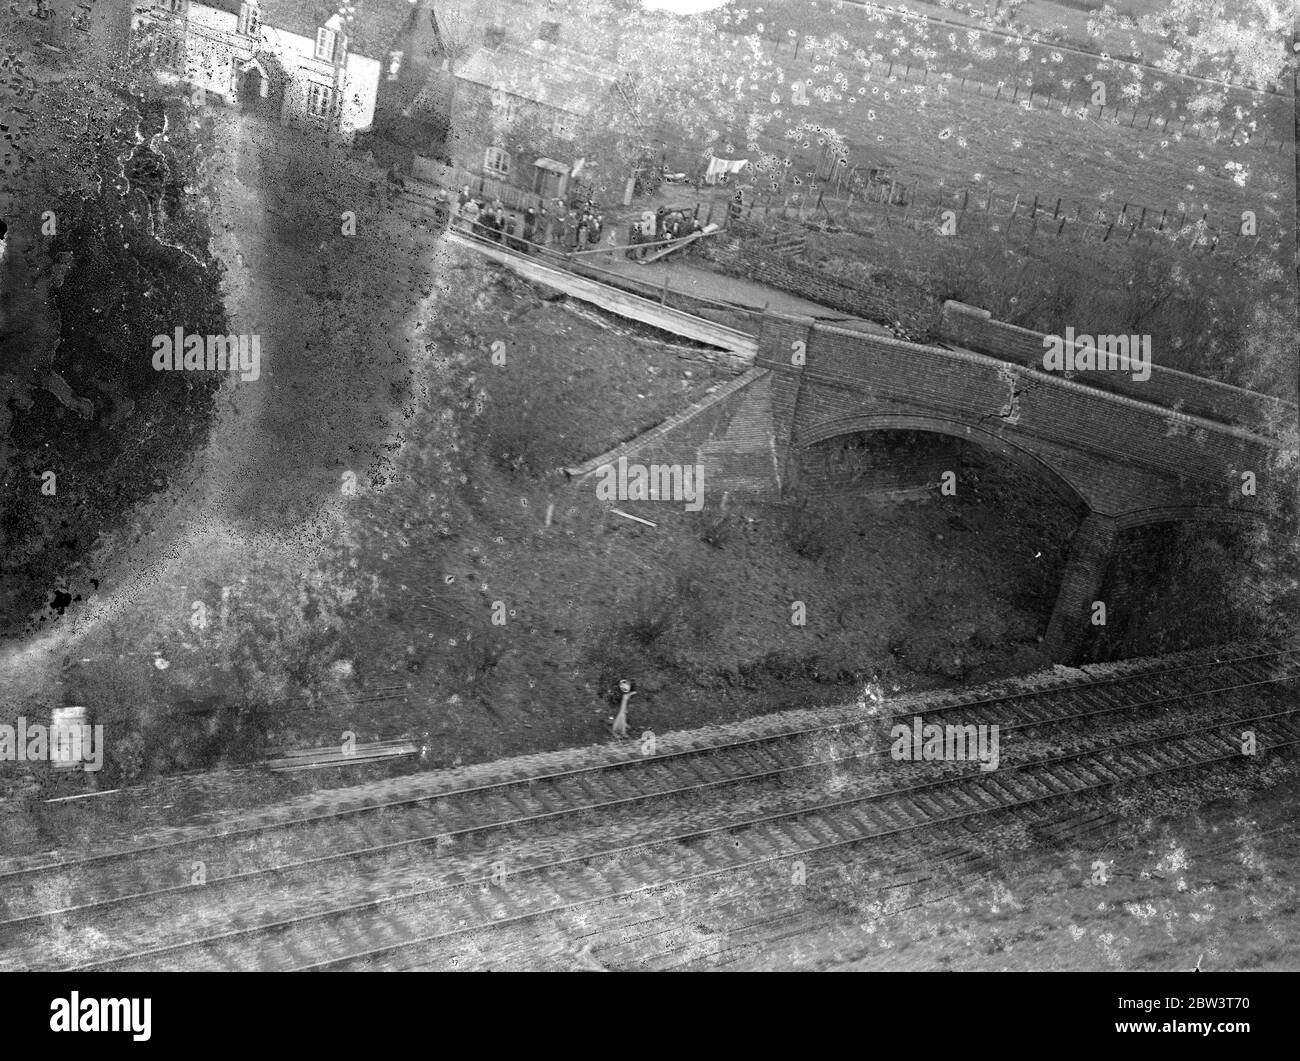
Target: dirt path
[{"x": 335, "y": 343}]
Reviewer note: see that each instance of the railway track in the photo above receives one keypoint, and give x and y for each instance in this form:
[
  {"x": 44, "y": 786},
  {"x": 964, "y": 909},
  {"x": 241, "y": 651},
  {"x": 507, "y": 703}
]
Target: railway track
[
  {"x": 781, "y": 839},
  {"x": 768, "y": 816}
]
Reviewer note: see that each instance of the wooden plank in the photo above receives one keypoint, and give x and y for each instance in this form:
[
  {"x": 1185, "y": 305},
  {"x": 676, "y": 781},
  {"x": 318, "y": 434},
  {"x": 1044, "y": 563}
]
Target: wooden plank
[
  {"x": 741, "y": 347},
  {"x": 678, "y": 245}
]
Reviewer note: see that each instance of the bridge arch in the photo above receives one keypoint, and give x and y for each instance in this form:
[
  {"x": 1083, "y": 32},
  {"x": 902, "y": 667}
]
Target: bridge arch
[{"x": 1031, "y": 462}]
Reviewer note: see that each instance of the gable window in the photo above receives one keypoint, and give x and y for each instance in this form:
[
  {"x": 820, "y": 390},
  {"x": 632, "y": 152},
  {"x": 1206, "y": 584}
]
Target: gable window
[
  {"x": 506, "y": 105},
  {"x": 325, "y": 42},
  {"x": 250, "y": 19},
  {"x": 319, "y": 100},
  {"x": 169, "y": 53},
  {"x": 549, "y": 32},
  {"x": 394, "y": 65},
  {"x": 496, "y": 161}
]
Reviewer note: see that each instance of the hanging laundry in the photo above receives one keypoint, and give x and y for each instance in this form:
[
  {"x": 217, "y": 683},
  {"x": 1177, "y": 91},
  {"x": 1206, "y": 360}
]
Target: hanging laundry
[{"x": 720, "y": 167}]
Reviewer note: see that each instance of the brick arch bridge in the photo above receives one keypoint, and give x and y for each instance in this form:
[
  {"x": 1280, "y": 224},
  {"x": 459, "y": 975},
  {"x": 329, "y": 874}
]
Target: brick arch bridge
[{"x": 1126, "y": 453}]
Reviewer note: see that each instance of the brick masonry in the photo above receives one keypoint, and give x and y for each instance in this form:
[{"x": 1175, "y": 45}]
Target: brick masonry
[
  {"x": 1131, "y": 459},
  {"x": 1090, "y": 554},
  {"x": 729, "y": 432},
  {"x": 974, "y": 328}
]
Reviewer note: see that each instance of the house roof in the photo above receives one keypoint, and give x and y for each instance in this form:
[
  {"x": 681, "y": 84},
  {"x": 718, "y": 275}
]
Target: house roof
[
  {"x": 374, "y": 29},
  {"x": 546, "y": 74}
]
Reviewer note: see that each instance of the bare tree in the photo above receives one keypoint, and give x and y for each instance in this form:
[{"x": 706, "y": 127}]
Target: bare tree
[{"x": 453, "y": 22}]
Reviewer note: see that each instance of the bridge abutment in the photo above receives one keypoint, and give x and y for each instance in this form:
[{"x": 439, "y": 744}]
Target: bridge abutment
[
  {"x": 1090, "y": 552},
  {"x": 783, "y": 347}
]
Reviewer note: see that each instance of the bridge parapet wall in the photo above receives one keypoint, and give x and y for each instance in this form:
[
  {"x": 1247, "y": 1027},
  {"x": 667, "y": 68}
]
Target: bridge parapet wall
[
  {"x": 975, "y": 328},
  {"x": 1119, "y": 455}
]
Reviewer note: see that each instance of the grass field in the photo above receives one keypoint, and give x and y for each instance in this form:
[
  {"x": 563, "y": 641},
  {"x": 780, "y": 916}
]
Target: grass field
[{"x": 948, "y": 139}]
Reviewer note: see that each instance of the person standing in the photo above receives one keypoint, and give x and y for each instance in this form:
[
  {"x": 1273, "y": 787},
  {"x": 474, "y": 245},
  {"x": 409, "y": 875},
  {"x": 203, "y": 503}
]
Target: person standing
[
  {"x": 469, "y": 213},
  {"x": 529, "y": 232},
  {"x": 626, "y": 692},
  {"x": 559, "y": 217}
]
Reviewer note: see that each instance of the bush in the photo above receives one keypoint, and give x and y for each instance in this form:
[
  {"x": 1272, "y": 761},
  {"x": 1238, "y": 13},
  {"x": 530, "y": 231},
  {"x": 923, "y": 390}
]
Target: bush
[
  {"x": 650, "y": 618},
  {"x": 810, "y": 529}
]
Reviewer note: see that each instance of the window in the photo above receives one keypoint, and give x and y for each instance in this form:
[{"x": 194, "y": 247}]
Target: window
[
  {"x": 169, "y": 53},
  {"x": 175, "y": 6},
  {"x": 494, "y": 36},
  {"x": 563, "y": 125},
  {"x": 319, "y": 100},
  {"x": 505, "y": 105},
  {"x": 250, "y": 20},
  {"x": 325, "y": 39},
  {"x": 496, "y": 161},
  {"x": 394, "y": 65},
  {"x": 549, "y": 32}
]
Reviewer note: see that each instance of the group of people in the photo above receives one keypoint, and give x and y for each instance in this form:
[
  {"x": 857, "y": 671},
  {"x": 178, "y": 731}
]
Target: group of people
[
  {"x": 661, "y": 226},
  {"x": 566, "y": 228},
  {"x": 577, "y": 227}
]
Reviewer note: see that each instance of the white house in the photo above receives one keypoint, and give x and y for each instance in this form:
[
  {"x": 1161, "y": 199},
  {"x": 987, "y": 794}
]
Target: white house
[{"x": 306, "y": 63}]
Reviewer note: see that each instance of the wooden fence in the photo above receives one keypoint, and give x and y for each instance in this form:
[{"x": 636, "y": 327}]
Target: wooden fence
[
  {"x": 482, "y": 186},
  {"x": 896, "y": 202}
]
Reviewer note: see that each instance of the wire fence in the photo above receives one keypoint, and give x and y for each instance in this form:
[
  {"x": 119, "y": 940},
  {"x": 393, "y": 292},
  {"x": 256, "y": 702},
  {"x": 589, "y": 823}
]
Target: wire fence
[{"x": 956, "y": 211}]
